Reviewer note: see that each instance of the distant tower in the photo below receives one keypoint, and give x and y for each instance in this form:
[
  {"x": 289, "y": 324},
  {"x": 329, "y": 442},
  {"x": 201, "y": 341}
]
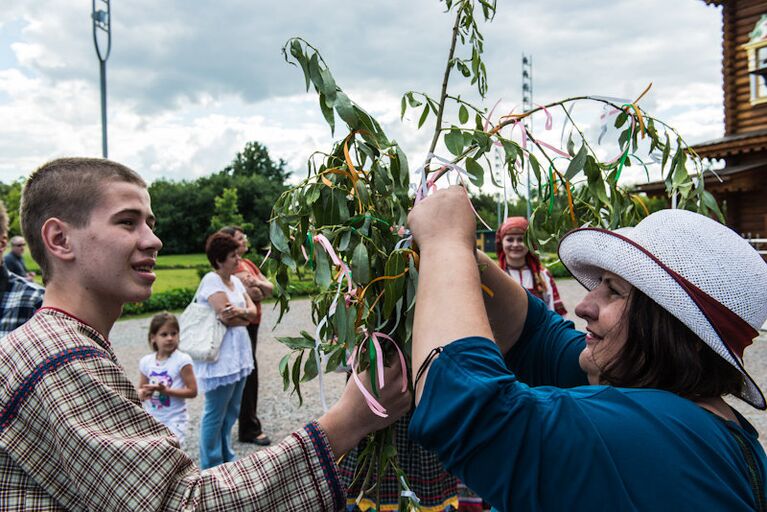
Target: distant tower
[
  {"x": 102, "y": 40},
  {"x": 527, "y": 105},
  {"x": 501, "y": 175}
]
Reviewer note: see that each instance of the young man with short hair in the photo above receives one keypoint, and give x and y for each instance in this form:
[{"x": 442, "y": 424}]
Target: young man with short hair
[{"x": 73, "y": 435}]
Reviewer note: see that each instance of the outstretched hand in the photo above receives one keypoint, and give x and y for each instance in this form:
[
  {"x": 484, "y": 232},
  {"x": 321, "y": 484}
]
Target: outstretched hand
[{"x": 350, "y": 419}]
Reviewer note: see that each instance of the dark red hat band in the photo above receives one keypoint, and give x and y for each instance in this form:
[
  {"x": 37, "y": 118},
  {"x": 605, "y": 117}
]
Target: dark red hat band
[{"x": 736, "y": 333}]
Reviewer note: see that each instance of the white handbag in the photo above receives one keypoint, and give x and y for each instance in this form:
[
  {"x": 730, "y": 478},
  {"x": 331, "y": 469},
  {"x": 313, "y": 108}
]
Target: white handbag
[{"x": 201, "y": 331}]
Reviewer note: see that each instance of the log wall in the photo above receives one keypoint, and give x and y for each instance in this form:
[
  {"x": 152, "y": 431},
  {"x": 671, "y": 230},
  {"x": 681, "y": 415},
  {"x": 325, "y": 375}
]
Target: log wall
[{"x": 738, "y": 19}]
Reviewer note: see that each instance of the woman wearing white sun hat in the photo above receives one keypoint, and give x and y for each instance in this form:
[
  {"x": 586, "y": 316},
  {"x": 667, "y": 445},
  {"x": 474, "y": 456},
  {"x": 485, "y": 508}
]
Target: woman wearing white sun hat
[{"x": 672, "y": 303}]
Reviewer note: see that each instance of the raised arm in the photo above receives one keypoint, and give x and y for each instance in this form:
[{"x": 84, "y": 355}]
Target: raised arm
[
  {"x": 506, "y": 305},
  {"x": 449, "y": 303}
]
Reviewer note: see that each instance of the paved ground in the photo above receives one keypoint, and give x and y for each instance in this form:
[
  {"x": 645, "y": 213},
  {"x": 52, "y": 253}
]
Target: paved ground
[{"x": 280, "y": 412}]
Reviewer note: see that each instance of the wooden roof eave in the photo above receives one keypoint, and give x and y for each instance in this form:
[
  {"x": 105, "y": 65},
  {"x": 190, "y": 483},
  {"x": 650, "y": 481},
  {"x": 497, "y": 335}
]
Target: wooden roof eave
[
  {"x": 718, "y": 179},
  {"x": 733, "y": 145}
]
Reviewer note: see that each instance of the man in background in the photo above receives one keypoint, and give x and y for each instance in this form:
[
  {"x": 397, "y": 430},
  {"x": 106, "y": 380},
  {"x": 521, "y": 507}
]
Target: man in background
[
  {"x": 14, "y": 260},
  {"x": 19, "y": 298}
]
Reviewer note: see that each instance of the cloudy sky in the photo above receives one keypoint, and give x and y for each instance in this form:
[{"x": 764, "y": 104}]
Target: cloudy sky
[{"x": 191, "y": 81}]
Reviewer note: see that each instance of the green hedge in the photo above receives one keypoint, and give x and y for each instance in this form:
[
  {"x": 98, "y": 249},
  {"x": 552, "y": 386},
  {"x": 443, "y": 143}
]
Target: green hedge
[
  {"x": 557, "y": 269},
  {"x": 179, "y": 298},
  {"x": 169, "y": 300},
  {"x": 302, "y": 288}
]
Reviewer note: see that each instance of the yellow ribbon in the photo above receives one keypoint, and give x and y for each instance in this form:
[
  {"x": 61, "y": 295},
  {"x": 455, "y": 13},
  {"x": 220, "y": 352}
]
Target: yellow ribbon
[{"x": 381, "y": 278}]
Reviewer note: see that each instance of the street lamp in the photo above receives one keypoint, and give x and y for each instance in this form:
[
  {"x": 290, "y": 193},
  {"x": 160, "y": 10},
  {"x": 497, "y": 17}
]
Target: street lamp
[{"x": 102, "y": 40}]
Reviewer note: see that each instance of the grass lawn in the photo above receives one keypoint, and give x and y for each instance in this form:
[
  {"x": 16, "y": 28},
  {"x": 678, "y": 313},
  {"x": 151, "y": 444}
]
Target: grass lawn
[
  {"x": 168, "y": 279},
  {"x": 175, "y": 278},
  {"x": 183, "y": 260},
  {"x": 30, "y": 263},
  {"x": 170, "y": 260}
]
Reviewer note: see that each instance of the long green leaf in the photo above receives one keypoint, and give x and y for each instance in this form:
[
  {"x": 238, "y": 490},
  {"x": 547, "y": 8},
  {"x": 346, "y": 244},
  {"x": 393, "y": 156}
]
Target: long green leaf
[
  {"x": 285, "y": 371},
  {"x": 576, "y": 164},
  {"x": 361, "y": 263},
  {"x": 476, "y": 172},
  {"x": 310, "y": 367},
  {"x": 277, "y": 237},
  {"x": 296, "y": 342},
  {"x": 296, "y": 377},
  {"x": 322, "y": 269},
  {"x": 424, "y": 115}
]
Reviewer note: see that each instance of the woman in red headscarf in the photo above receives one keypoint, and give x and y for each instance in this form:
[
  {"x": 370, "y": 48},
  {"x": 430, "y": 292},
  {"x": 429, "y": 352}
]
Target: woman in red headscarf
[{"x": 516, "y": 259}]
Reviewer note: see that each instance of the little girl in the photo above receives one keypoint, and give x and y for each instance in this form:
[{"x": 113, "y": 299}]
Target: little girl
[{"x": 167, "y": 376}]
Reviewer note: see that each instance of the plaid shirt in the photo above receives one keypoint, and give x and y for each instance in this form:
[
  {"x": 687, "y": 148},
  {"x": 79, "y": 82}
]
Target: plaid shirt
[
  {"x": 73, "y": 436},
  {"x": 19, "y": 300}
]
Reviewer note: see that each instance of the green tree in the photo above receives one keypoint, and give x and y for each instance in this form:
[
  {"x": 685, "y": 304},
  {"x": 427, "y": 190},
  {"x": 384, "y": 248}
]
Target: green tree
[
  {"x": 226, "y": 212},
  {"x": 254, "y": 160},
  {"x": 183, "y": 214},
  {"x": 183, "y": 209},
  {"x": 11, "y": 196}
]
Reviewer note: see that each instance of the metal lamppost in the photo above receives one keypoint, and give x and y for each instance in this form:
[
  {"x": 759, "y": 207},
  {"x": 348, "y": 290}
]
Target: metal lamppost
[{"x": 102, "y": 26}]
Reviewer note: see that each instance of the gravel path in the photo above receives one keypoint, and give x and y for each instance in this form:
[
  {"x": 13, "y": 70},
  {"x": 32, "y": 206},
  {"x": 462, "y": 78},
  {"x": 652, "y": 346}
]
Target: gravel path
[{"x": 279, "y": 411}]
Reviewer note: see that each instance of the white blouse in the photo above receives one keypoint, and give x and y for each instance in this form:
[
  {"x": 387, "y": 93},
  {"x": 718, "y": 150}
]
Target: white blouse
[{"x": 235, "y": 361}]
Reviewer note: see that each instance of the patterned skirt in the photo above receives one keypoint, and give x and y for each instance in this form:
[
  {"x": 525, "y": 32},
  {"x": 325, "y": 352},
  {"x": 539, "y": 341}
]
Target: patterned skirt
[{"x": 435, "y": 487}]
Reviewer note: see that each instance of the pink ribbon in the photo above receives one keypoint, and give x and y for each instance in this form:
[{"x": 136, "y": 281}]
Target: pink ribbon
[
  {"x": 372, "y": 403},
  {"x": 549, "y": 120},
  {"x": 490, "y": 115},
  {"x": 555, "y": 150},
  {"x": 376, "y": 335},
  {"x": 322, "y": 240},
  {"x": 518, "y": 122}
]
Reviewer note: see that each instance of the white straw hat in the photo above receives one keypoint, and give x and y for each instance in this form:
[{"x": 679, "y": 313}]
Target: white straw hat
[{"x": 698, "y": 270}]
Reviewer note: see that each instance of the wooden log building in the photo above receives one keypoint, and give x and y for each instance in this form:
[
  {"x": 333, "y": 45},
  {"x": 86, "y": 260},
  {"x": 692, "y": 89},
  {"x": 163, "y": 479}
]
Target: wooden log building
[{"x": 743, "y": 189}]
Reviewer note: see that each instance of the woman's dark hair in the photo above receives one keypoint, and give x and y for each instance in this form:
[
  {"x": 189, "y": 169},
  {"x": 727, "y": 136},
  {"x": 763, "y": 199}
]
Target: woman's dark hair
[
  {"x": 662, "y": 353},
  {"x": 218, "y": 247},
  {"x": 157, "y": 322},
  {"x": 231, "y": 230}
]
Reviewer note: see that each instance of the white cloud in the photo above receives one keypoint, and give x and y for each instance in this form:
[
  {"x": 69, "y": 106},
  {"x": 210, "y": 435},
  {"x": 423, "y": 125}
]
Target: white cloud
[{"x": 191, "y": 81}]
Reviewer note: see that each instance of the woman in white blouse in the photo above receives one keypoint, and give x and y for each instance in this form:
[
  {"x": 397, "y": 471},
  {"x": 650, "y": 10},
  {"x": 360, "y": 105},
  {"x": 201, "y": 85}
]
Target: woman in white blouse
[{"x": 223, "y": 380}]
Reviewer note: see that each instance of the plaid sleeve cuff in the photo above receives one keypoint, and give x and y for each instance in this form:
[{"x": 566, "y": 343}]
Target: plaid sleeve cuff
[{"x": 327, "y": 462}]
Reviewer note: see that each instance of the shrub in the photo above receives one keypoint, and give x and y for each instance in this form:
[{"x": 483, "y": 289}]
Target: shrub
[
  {"x": 302, "y": 288},
  {"x": 557, "y": 269},
  {"x": 169, "y": 300}
]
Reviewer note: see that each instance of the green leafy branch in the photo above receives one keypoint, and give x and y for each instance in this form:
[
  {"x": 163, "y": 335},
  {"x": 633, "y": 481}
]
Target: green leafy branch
[{"x": 356, "y": 196}]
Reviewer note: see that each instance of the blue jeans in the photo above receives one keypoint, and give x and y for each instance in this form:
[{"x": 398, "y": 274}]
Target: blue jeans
[{"x": 221, "y": 410}]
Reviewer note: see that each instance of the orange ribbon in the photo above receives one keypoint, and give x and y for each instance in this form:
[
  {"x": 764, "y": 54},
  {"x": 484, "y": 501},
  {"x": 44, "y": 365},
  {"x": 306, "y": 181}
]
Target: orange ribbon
[{"x": 381, "y": 278}]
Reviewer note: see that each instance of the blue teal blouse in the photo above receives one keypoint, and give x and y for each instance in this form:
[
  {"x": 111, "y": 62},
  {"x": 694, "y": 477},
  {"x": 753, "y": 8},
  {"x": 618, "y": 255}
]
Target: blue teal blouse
[{"x": 584, "y": 448}]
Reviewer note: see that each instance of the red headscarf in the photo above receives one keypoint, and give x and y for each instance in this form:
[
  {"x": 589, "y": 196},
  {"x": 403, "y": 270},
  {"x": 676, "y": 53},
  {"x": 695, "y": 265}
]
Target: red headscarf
[{"x": 520, "y": 225}]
